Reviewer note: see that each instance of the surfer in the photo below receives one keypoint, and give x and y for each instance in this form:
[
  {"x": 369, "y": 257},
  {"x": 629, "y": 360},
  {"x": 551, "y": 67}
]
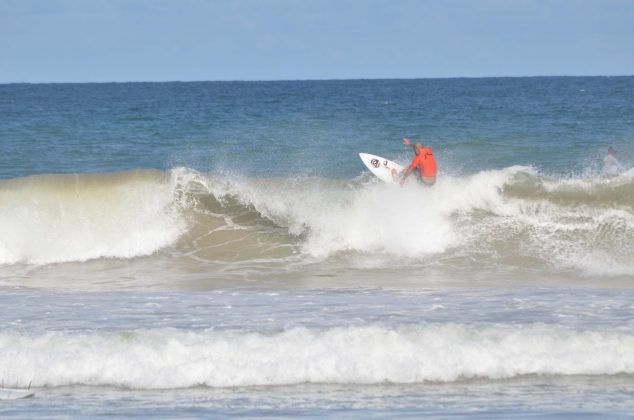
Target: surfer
[{"x": 424, "y": 161}]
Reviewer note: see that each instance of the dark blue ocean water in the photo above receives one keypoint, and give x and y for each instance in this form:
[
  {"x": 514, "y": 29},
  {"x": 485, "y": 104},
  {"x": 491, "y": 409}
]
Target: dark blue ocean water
[{"x": 313, "y": 128}]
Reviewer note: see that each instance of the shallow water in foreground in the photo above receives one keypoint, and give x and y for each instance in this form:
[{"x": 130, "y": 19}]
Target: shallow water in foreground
[
  {"x": 551, "y": 397},
  {"x": 490, "y": 352}
]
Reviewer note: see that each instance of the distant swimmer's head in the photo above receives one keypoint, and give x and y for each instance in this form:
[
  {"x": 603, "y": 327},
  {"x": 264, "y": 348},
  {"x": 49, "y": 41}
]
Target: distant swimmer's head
[{"x": 611, "y": 151}]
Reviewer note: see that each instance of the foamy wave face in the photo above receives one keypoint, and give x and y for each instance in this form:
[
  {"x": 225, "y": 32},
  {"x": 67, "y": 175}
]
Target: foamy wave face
[
  {"x": 510, "y": 217},
  {"x": 167, "y": 358},
  {"x": 506, "y": 219},
  {"x": 60, "y": 218},
  {"x": 373, "y": 217},
  {"x": 584, "y": 224},
  {"x": 336, "y": 217}
]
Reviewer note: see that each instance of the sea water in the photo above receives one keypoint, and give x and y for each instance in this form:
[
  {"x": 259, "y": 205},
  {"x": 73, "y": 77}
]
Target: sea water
[{"x": 218, "y": 248}]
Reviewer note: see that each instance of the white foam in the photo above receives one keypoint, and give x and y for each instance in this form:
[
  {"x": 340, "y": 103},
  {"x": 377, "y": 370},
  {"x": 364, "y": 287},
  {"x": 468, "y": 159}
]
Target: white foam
[
  {"x": 59, "y": 218},
  {"x": 493, "y": 217},
  {"x": 377, "y": 217},
  {"x": 168, "y": 358},
  {"x": 468, "y": 215}
]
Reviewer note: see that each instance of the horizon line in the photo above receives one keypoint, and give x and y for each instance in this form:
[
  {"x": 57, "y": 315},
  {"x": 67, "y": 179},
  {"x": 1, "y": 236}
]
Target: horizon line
[{"x": 312, "y": 80}]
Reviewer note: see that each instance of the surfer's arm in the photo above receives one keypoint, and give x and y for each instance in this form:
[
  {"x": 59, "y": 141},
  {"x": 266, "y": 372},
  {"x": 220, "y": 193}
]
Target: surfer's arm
[
  {"x": 407, "y": 173},
  {"x": 408, "y": 143}
]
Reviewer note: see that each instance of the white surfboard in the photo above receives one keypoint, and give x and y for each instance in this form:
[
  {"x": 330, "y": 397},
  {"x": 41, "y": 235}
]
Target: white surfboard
[
  {"x": 382, "y": 168},
  {"x": 15, "y": 393}
]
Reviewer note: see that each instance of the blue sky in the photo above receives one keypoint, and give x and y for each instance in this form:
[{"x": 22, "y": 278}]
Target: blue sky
[{"x": 157, "y": 40}]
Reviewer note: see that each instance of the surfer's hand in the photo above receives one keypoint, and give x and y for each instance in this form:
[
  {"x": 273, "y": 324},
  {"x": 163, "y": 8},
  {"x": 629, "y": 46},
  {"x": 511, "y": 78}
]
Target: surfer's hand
[{"x": 406, "y": 141}]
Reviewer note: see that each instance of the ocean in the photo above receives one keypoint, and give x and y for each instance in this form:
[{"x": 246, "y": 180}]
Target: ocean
[{"x": 216, "y": 249}]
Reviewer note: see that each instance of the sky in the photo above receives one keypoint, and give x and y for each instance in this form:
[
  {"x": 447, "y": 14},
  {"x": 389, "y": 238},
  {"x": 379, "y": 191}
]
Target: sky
[{"x": 184, "y": 40}]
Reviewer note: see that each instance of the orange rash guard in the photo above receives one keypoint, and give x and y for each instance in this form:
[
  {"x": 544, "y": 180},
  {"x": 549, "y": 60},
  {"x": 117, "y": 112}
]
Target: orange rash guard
[{"x": 425, "y": 162}]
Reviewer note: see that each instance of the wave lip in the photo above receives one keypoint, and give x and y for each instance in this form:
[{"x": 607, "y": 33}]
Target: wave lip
[{"x": 168, "y": 358}]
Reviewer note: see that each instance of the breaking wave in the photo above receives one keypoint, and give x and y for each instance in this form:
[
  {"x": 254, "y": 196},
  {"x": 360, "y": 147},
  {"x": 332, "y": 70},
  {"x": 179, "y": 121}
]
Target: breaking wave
[
  {"x": 509, "y": 217},
  {"x": 61, "y": 218},
  {"x": 169, "y": 358}
]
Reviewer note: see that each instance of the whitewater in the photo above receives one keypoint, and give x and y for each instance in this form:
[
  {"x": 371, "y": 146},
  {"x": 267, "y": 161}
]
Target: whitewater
[
  {"x": 218, "y": 249},
  {"x": 483, "y": 224}
]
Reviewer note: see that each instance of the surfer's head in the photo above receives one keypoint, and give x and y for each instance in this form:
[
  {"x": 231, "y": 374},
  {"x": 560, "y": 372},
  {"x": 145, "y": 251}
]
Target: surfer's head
[{"x": 418, "y": 147}]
